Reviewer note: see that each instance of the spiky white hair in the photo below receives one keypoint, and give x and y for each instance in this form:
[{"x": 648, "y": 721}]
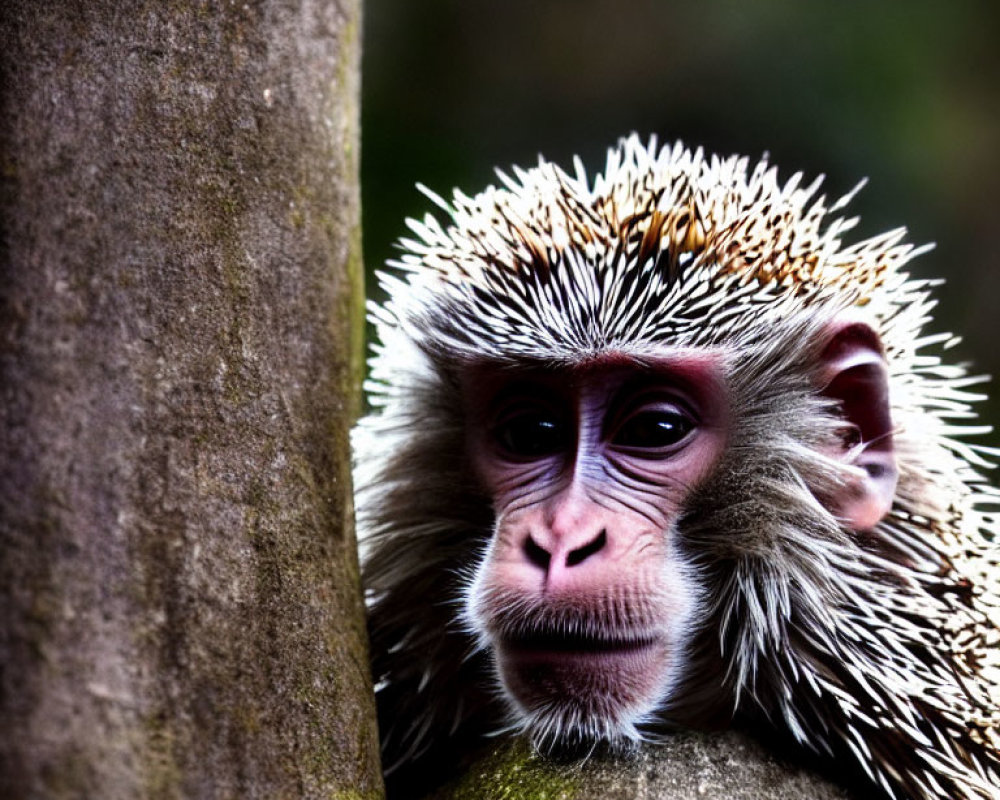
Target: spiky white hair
[{"x": 884, "y": 646}]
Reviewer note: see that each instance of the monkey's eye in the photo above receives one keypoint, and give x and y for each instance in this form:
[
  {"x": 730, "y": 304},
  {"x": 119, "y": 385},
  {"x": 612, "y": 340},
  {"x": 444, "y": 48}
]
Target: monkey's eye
[
  {"x": 531, "y": 434},
  {"x": 653, "y": 430}
]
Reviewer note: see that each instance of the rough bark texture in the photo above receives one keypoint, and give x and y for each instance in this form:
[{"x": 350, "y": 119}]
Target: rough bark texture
[
  {"x": 180, "y": 613},
  {"x": 727, "y": 766}
]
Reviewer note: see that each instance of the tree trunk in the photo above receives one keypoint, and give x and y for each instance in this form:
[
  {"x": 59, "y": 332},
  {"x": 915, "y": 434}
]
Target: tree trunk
[{"x": 180, "y": 613}]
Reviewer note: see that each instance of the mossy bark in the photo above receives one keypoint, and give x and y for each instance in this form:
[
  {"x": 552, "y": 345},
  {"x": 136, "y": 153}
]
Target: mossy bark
[
  {"x": 724, "y": 766},
  {"x": 180, "y": 275}
]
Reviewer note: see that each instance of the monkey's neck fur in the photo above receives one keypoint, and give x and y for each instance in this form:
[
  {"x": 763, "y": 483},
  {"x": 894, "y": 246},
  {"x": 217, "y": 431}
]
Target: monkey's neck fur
[{"x": 880, "y": 646}]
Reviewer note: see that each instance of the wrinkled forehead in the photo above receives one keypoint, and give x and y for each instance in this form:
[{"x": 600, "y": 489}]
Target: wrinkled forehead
[{"x": 700, "y": 373}]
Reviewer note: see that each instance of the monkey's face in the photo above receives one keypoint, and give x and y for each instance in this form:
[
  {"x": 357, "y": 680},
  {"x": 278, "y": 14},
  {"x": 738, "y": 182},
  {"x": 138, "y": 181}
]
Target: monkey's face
[{"x": 583, "y": 594}]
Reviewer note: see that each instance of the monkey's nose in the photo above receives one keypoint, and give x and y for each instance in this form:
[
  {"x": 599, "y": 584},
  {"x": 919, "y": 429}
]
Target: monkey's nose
[
  {"x": 537, "y": 554},
  {"x": 581, "y": 554},
  {"x": 542, "y": 558}
]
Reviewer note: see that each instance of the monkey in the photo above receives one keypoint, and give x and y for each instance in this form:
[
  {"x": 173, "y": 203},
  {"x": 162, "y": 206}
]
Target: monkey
[{"x": 656, "y": 449}]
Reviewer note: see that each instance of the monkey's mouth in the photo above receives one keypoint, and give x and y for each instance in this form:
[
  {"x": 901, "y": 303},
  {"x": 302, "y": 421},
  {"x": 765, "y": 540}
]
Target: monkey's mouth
[
  {"x": 584, "y": 679},
  {"x": 548, "y": 642}
]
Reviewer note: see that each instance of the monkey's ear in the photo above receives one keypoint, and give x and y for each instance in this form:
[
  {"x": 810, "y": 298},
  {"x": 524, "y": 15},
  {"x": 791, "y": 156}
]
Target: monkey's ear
[{"x": 854, "y": 372}]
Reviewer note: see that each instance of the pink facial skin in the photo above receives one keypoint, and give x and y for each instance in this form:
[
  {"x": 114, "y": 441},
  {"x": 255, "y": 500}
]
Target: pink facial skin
[{"x": 583, "y": 595}]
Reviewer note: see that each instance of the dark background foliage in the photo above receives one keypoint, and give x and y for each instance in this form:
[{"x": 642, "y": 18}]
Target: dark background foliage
[{"x": 904, "y": 93}]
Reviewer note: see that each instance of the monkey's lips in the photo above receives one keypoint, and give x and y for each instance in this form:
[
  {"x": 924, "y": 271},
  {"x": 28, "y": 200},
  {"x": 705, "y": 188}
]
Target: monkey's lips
[
  {"x": 549, "y": 643},
  {"x": 581, "y": 676}
]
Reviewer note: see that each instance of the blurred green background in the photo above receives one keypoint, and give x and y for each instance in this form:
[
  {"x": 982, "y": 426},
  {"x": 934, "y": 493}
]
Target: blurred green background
[{"x": 904, "y": 93}]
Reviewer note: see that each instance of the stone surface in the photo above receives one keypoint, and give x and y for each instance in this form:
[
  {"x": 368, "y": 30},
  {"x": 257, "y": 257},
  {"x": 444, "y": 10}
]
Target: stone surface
[{"x": 726, "y": 766}]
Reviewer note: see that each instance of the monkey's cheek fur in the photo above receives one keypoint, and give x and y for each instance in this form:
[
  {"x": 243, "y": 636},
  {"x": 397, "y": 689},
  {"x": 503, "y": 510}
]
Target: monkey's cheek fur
[{"x": 588, "y": 690}]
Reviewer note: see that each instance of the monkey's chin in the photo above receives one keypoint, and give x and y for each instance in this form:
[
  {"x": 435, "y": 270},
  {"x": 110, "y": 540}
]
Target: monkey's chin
[{"x": 584, "y": 690}]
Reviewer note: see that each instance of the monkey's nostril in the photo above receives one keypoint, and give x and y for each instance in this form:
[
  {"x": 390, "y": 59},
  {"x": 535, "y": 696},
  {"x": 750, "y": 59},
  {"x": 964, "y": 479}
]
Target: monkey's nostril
[
  {"x": 536, "y": 554},
  {"x": 583, "y": 553}
]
